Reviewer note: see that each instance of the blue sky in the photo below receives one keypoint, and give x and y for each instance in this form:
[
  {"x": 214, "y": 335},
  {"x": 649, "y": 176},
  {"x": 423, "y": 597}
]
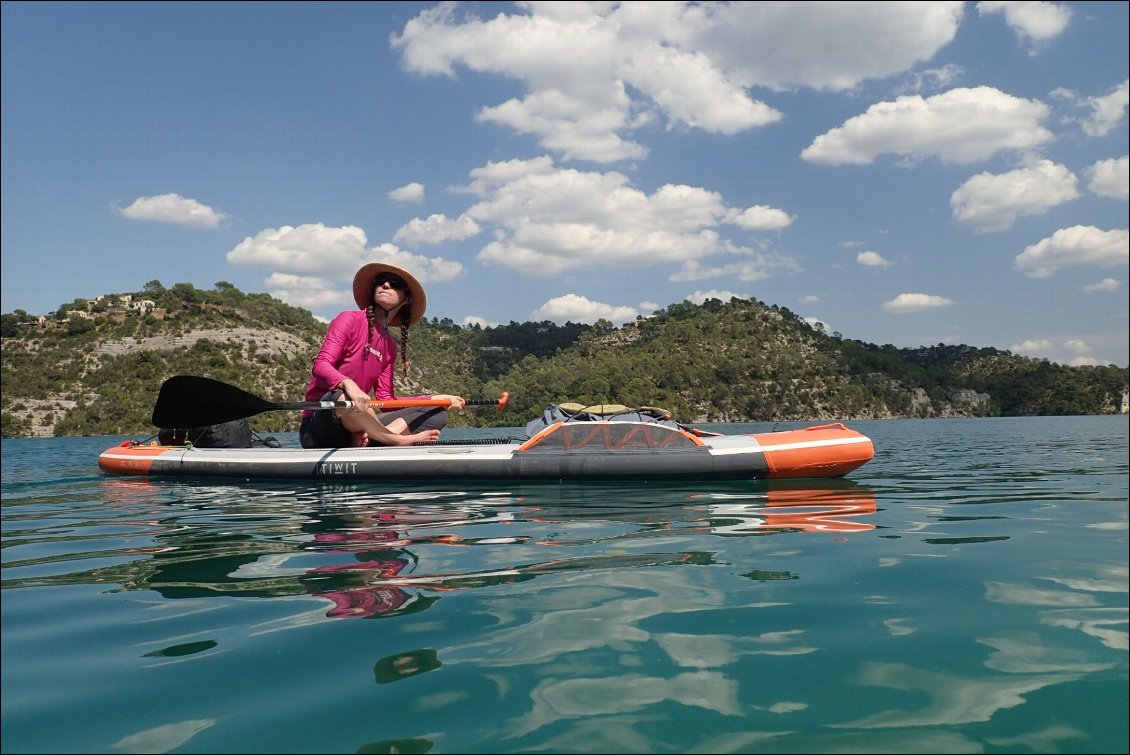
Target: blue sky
[{"x": 904, "y": 173}]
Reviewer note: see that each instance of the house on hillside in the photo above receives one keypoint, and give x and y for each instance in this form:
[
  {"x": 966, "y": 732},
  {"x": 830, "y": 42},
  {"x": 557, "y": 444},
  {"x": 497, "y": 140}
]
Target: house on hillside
[{"x": 142, "y": 306}]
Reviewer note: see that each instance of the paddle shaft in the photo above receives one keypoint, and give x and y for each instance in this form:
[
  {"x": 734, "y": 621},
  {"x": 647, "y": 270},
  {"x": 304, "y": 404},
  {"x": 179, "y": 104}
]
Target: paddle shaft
[
  {"x": 381, "y": 406},
  {"x": 193, "y": 401}
]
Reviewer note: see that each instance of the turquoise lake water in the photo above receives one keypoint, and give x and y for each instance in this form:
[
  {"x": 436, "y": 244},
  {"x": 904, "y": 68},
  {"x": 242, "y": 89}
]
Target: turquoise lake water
[{"x": 964, "y": 592}]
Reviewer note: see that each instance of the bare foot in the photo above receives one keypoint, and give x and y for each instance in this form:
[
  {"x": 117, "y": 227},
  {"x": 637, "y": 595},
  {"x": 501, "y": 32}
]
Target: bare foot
[{"x": 427, "y": 436}]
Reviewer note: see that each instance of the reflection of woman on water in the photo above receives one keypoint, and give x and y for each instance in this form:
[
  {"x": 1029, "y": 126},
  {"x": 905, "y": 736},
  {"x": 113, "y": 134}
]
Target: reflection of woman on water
[
  {"x": 191, "y": 565},
  {"x": 377, "y": 556}
]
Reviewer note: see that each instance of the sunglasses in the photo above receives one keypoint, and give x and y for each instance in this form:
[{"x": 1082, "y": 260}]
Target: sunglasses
[{"x": 392, "y": 280}]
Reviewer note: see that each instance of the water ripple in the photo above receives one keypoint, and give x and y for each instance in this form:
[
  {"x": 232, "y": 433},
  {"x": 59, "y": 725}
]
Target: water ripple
[{"x": 965, "y": 591}]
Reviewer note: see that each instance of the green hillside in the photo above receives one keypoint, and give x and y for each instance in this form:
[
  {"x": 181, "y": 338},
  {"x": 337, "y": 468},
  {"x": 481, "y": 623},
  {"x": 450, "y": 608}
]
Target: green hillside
[{"x": 94, "y": 368}]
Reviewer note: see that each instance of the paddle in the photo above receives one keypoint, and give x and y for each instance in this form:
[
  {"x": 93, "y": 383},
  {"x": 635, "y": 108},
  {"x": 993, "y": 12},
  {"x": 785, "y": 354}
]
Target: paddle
[{"x": 192, "y": 401}]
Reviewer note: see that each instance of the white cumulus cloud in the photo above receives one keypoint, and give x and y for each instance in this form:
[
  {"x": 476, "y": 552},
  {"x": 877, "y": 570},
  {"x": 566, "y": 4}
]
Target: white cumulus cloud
[
  {"x": 1077, "y": 246},
  {"x": 313, "y": 264},
  {"x": 958, "y": 126},
  {"x": 436, "y": 229},
  {"x": 1110, "y": 178},
  {"x": 1107, "y": 111},
  {"x": 577, "y": 308},
  {"x": 310, "y": 248},
  {"x": 760, "y": 218},
  {"x": 872, "y": 259},
  {"x": 482, "y": 322},
  {"x": 1031, "y": 347},
  {"x": 915, "y": 303},
  {"x": 595, "y": 73},
  {"x": 698, "y": 297},
  {"x": 1035, "y": 21},
  {"x": 174, "y": 209},
  {"x": 412, "y": 193},
  {"x": 988, "y": 202},
  {"x": 546, "y": 220}
]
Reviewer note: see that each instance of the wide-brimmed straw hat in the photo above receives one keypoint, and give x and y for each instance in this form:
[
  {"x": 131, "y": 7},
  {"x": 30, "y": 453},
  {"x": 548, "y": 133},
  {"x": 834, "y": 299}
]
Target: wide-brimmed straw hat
[{"x": 366, "y": 277}]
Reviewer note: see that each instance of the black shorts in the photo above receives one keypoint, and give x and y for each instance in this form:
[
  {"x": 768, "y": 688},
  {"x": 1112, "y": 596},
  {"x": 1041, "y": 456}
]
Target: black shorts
[{"x": 323, "y": 429}]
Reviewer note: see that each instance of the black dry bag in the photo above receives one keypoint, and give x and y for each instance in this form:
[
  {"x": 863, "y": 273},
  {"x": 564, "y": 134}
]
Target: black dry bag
[{"x": 234, "y": 434}]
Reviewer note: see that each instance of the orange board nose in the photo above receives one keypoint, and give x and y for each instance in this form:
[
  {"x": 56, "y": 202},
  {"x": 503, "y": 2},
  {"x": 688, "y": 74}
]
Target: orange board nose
[{"x": 824, "y": 451}]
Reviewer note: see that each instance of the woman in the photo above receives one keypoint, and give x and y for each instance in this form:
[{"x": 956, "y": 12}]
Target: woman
[{"x": 357, "y": 359}]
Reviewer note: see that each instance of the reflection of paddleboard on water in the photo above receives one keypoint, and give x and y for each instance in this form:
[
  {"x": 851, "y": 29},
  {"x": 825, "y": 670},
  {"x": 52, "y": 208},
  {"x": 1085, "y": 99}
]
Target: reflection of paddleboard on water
[
  {"x": 371, "y": 551},
  {"x": 802, "y": 507},
  {"x": 374, "y": 587}
]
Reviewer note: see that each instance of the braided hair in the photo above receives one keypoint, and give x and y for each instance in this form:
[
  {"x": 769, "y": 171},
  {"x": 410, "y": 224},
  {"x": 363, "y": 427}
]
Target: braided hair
[{"x": 403, "y": 315}]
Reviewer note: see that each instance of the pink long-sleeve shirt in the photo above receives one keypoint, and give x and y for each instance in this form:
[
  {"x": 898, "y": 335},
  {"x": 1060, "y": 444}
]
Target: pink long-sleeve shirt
[{"x": 341, "y": 357}]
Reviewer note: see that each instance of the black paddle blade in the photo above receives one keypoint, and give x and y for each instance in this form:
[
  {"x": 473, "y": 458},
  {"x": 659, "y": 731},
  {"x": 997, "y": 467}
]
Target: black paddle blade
[{"x": 192, "y": 401}]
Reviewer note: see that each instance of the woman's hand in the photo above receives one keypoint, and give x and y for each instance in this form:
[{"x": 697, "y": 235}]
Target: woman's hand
[
  {"x": 453, "y": 402},
  {"x": 354, "y": 393}
]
